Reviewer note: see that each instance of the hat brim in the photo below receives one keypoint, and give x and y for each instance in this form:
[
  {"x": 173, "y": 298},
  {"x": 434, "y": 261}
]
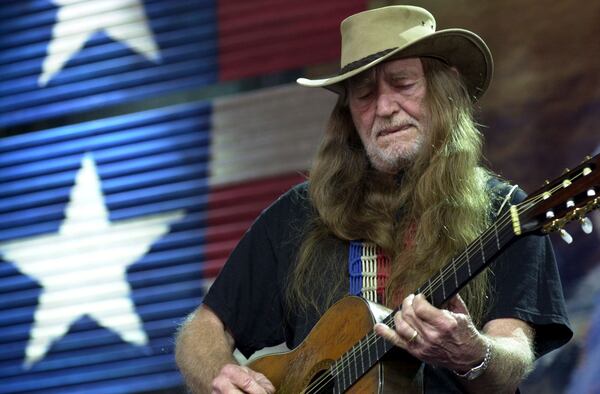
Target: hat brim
[{"x": 457, "y": 47}]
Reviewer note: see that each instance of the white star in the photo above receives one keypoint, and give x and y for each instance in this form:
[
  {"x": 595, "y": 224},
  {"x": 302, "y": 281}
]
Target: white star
[
  {"x": 78, "y": 20},
  {"x": 82, "y": 268}
]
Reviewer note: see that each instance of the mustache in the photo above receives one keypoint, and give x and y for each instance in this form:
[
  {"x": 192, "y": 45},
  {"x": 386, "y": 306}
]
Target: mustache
[{"x": 386, "y": 126}]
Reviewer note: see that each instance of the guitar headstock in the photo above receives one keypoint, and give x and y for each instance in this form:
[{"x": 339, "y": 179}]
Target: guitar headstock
[{"x": 567, "y": 198}]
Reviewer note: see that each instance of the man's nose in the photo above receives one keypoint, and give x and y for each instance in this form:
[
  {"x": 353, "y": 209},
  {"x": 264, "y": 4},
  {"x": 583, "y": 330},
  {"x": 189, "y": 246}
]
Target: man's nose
[{"x": 387, "y": 104}]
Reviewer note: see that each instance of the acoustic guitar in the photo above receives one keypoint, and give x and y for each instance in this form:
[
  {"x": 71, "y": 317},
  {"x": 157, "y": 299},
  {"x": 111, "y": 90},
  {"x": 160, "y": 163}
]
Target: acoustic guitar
[{"x": 342, "y": 353}]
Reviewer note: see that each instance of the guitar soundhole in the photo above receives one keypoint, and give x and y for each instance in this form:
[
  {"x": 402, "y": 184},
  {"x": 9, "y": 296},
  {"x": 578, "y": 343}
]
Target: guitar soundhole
[{"x": 322, "y": 382}]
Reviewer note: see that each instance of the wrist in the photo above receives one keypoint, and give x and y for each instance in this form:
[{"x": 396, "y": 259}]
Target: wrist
[{"x": 480, "y": 368}]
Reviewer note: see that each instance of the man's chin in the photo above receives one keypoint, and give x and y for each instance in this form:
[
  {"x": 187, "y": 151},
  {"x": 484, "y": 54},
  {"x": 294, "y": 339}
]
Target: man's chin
[
  {"x": 393, "y": 159},
  {"x": 392, "y": 166}
]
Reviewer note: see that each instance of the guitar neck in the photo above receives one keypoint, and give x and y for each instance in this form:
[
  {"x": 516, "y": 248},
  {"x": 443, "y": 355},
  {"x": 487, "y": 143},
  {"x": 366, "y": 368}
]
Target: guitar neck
[{"x": 464, "y": 267}]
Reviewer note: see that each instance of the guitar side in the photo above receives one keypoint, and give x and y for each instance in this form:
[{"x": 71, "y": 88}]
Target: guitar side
[{"x": 341, "y": 327}]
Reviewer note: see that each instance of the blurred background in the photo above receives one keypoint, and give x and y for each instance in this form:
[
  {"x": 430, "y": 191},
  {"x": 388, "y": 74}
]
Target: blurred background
[{"x": 140, "y": 138}]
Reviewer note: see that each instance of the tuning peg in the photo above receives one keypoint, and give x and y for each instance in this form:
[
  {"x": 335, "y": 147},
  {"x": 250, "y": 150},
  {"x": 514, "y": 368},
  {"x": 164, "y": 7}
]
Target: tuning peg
[
  {"x": 586, "y": 225},
  {"x": 566, "y": 236},
  {"x": 570, "y": 203},
  {"x": 550, "y": 214},
  {"x": 591, "y": 192},
  {"x": 566, "y": 171}
]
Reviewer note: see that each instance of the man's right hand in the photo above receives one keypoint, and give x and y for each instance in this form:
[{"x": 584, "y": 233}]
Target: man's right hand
[{"x": 239, "y": 379}]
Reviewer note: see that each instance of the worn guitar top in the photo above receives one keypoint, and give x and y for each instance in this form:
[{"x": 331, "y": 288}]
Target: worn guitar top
[{"x": 248, "y": 295}]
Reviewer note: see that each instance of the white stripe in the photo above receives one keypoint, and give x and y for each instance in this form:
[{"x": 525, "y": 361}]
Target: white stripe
[
  {"x": 369, "y": 271},
  {"x": 268, "y": 132}
]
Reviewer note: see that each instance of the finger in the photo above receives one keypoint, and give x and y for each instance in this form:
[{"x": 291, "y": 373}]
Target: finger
[
  {"x": 241, "y": 379},
  {"x": 248, "y": 384},
  {"x": 426, "y": 312},
  {"x": 404, "y": 329},
  {"x": 407, "y": 303},
  {"x": 408, "y": 313},
  {"x": 404, "y": 337},
  {"x": 222, "y": 384},
  {"x": 457, "y": 305},
  {"x": 389, "y": 335},
  {"x": 263, "y": 381}
]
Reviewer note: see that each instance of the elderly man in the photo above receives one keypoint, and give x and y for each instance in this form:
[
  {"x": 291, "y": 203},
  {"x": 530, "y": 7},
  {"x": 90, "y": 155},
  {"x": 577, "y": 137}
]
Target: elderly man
[{"x": 396, "y": 190}]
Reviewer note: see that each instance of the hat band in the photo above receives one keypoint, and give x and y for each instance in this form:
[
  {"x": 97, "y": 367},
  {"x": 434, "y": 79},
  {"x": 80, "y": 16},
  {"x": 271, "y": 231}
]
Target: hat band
[{"x": 364, "y": 61}]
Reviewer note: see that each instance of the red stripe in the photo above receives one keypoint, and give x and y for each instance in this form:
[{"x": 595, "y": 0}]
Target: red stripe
[
  {"x": 383, "y": 273},
  {"x": 232, "y": 209},
  {"x": 264, "y": 36}
]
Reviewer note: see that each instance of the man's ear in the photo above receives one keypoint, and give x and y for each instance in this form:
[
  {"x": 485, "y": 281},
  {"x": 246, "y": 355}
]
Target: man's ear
[{"x": 455, "y": 70}]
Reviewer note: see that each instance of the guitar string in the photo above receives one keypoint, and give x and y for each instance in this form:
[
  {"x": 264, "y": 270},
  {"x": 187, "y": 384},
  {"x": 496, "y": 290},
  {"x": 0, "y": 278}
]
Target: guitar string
[{"x": 432, "y": 286}]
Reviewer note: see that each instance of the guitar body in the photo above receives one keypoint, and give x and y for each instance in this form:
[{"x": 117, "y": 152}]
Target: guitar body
[{"x": 341, "y": 327}]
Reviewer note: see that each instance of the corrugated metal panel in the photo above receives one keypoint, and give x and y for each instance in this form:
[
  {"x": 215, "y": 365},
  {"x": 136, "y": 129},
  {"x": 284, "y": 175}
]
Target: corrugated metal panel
[
  {"x": 261, "y": 36},
  {"x": 62, "y": 57},
  {"x": 232, "y": 209}
]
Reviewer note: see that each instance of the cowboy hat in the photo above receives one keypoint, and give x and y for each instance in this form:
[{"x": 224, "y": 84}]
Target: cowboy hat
[{"x": 373, "y": 36}]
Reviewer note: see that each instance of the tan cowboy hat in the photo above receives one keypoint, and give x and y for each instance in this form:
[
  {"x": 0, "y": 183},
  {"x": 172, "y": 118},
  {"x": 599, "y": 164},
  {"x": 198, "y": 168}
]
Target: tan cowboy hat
[{"x": 371, "y": 37}]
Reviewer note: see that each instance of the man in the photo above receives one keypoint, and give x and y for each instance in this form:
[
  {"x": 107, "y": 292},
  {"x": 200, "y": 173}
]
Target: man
[{"x": 397, "y": 183}]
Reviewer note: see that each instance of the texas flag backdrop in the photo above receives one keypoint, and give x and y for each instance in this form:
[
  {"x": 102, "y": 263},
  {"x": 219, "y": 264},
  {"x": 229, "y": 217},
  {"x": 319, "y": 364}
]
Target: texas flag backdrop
[
  {"x": 113, "y": 226},
  {"x": 140, "y": 139}
]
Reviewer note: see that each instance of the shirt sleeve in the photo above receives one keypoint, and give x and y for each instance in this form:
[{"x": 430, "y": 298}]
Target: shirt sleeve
[
  {"x": 526, "y": 285},
  {"x": 247, "y": 294}
]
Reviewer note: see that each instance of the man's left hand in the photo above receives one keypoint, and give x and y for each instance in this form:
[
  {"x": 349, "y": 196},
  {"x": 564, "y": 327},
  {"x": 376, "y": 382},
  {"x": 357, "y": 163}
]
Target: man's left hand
[{"x": 441, "y": 337}]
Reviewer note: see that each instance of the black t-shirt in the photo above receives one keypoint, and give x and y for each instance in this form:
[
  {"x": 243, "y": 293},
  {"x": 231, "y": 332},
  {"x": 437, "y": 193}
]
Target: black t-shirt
[{"x": 248, "y": 295}]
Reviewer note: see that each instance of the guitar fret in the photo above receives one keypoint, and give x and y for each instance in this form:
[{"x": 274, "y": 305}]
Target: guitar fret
[
  {"x": 338, "y": 385},
  {"x": 455, "y": 275},
  {"x": 497, "y": 238},
  {"x": 343, "y": 374},
  {"x": 354, "y": 363},
  {"x": 362, "y": 359},
  {"x": 442, "y": 281},
  {"x": 369, "y": 354},
  {"x": 430, "y": 288},
  {"x": 468, "y": 261},
  {"x": 482, "y": 251},
  {"x": 378, "y": 343}
]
